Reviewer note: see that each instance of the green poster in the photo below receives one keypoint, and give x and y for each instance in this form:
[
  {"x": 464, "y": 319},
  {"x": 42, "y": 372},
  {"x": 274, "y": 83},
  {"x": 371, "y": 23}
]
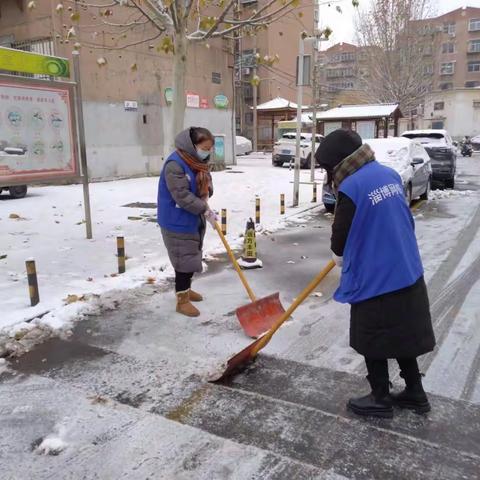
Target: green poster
[{"x": 27, "y": 62}]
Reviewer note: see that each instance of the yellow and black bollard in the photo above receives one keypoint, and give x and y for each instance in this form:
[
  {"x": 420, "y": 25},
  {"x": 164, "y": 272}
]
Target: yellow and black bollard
[
  {"x": 121, "y": 254},
  {"x": 282, "y": 204},
  {"x": 224, "y": 221},
  {"x": 257, "y": 210},
  {"x": 314, "y": 199},
  {"x": 32, "y": 282}
]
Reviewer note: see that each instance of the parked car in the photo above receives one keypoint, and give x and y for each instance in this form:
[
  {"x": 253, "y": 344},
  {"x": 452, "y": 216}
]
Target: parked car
[
  {"x": 17, "y": 191},
  {"x": 407, "y": 157},
  {"x": 442, "y": 151},
  {"x": 476, "y": 143},
  {"x": 285, "y": 148},
  {"x": 243, "y": 146}
]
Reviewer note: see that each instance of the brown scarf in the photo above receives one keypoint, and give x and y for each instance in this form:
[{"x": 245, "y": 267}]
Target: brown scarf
[
  {"x": 202, "y": 171},
  {"x": 351, "y": 164}
]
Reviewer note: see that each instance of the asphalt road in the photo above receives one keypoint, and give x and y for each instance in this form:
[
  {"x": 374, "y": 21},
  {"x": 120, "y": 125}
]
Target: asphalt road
[{"x": 128, "y": 396}]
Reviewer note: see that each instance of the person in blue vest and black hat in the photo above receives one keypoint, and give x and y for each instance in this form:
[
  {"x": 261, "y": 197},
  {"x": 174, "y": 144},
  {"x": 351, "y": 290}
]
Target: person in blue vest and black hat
[
  {"x": 374, "y": 243},
  {"x": 182, "y": 210}
]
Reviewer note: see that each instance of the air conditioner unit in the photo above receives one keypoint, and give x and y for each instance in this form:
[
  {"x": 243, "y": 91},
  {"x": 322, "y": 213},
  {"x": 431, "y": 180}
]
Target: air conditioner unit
[{"x": 452, "y": 35}]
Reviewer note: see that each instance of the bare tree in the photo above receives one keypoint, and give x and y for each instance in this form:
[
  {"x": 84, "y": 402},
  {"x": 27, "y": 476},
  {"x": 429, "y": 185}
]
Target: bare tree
[
  {"x": 397, "y": 43},
  {"x": 176, "y": 25}
]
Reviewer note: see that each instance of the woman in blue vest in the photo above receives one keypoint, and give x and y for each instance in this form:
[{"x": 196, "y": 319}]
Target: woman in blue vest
[
  {"x": 183, "y": 192},
  {"x": 373, "y": 240}
]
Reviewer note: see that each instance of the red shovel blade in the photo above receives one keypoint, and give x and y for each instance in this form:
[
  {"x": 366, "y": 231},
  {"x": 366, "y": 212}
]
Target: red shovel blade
[
  {"x": 238, "y": 362},
  {"x": 258, "y": 317}
]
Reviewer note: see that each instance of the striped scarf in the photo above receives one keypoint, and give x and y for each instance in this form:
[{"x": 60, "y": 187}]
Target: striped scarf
[
  {"x": 351, "y": 164},
  {"x": 201, "y": 169}
]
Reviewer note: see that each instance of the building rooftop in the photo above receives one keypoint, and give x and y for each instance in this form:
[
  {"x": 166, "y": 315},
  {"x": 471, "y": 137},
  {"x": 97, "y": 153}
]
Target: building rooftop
[{"x": 359, "y": 111}]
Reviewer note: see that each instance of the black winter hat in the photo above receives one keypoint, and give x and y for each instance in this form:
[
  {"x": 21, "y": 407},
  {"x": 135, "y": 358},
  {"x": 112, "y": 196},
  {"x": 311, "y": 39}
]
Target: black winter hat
[{"x": 337, "y": 146}]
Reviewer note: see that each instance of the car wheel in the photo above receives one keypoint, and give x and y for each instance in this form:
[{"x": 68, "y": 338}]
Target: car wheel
[
  {"x": 427, "y": 190},
  {"x": 409, "y": 194},
  {"x": 329, "y": 207},
  {"x": 450, "y": 183},
  {"x": 18, "y": 192}
]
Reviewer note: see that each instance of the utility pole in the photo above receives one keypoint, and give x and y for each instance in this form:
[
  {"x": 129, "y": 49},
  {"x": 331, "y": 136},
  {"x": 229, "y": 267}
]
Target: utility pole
[
  {"x": 316, "y": 17},
  {"x": 296, "y": 178}
]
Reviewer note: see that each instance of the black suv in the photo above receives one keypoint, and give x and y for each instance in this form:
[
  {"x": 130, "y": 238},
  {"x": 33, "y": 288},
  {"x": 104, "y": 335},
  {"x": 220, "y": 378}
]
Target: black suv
[{"x": 442, "y": 151}]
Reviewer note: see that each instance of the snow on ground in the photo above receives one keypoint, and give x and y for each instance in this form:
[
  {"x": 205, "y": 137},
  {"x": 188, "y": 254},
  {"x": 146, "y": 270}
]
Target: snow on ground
[{"x": 48, "y": 225}]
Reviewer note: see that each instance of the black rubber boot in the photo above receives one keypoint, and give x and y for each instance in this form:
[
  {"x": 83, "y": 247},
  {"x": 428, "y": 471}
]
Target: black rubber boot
[
  {"x": 413, "y": 397},
  {"x": 376, "y": 404}
]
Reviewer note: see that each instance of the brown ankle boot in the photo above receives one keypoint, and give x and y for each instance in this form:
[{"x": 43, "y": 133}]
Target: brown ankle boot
[
  {"x": 195, "y": 297},
  {"x": 184, "y": 306}
]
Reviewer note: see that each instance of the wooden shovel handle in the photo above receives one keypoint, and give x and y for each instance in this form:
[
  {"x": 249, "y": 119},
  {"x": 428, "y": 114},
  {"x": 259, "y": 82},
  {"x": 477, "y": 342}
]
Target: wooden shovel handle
[
  {"x": 234, "y": 262},
  {"x": 303, "y": 295}
]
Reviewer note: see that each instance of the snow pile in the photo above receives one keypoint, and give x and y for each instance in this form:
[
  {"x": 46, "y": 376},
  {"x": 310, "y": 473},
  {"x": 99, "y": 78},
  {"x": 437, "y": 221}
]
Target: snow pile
[
  {"x": 441, "y": 194},
  {"x": 54, "y": 443},
  {"x": 74, "y": 273}
]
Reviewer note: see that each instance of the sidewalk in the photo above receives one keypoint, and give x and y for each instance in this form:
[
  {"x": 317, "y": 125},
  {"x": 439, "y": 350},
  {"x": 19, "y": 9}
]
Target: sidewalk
[{"x": 68, "y": 264}]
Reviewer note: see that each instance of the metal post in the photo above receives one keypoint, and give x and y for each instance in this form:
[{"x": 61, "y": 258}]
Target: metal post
[
  {"x": 81, "y": 139},
  {"x": 257, "y": 210},
  {"x": 282, "y": 204},
  {"x": 296, "y": 178},
  {"x": 255, "y": 103},
  {"x": 32, "y": 282},
  {"x": 314, "y": 196},
  {"x": 121, "y": 254},
  {"x": 224, "y": 221},
  {"x": 314, "y": 89}
]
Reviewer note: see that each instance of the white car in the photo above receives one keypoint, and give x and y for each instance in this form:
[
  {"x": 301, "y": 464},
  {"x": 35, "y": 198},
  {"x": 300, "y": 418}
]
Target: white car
[
  {"x": 243, "y": 146},
  {"x": 285, "y": 148},
  {"x": 410, "y": 159},
  {"x": 407, "y": 157}
]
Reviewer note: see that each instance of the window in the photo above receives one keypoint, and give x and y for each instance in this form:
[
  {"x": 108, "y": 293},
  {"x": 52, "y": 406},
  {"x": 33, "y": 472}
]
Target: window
[
  {"x": 428, "y": 50},
  {"x": 438, "y": 125},
  {"x": 446, "y": 86},
  {"x": 474, "y": 66},
  {"x": 428, "y": 69},
  {"x": 474, "y": 46},
  {"x": 476, "y": 104},
  {"x": 439, "y": 106},
  {"x": 447, "y": 68},
  {"x": 448, "y": 47},
  {"x": 472, "y": 84},
  {"x": 340, "y": 72},
  {"x": 449, "y": 27},
  {"x": 347, "y": 57},
  {"x": 474, "y": 25},
  {"x": 216, "y": 78}
]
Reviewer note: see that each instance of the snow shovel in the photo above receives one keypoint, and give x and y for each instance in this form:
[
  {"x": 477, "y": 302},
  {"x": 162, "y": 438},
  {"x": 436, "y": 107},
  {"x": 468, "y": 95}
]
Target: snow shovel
[
  {"x": 242, "y": 359},
  {"x": 257, "y": 317}
]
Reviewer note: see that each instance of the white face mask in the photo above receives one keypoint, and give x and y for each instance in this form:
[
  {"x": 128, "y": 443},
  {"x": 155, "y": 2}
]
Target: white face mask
[{"x": 203, "y": 154}]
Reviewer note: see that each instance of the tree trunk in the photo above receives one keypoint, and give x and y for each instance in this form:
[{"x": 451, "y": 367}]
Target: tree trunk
[{"x": 179, "y": 77}]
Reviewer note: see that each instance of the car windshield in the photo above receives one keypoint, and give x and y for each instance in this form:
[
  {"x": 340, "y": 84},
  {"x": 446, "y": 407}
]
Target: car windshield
[
  {"x": 428, "y": 138},
  {"x": 393, "y": 154}
]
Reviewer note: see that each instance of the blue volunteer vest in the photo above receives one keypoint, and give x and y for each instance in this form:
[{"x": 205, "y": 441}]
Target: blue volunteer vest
[
  {"x": 170, "y": 215},
  {"x": 381, "y": 254}
]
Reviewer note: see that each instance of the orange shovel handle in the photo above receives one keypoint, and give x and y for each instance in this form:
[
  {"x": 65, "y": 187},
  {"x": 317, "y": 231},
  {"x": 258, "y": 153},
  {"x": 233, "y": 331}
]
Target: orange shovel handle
[
  {"x": 235, "y": 263},
  {"x": 303, "y": 295}
]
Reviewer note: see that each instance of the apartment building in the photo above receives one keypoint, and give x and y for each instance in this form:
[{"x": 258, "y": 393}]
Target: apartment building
[
  {"x": 277, "y": 78},
  {"x": 455, "y": 52},
  {"x": 341, "y": 72},
  {"x": 124, "y": 141}
]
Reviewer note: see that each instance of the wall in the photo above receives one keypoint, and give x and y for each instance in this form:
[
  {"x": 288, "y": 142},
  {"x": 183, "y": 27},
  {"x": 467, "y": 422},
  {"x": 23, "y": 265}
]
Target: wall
[
  {"x": 459, "y": 115},
  {"x": 125, "y": 146},
  {"x": 119, "y": 143}
]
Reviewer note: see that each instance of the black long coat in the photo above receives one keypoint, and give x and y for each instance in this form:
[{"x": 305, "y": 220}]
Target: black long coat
[{"x": 394, "y": 325}]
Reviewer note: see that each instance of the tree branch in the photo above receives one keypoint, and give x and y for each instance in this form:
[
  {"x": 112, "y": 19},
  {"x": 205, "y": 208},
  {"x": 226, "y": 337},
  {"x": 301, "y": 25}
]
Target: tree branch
[{"x": 123, "y": 47}]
